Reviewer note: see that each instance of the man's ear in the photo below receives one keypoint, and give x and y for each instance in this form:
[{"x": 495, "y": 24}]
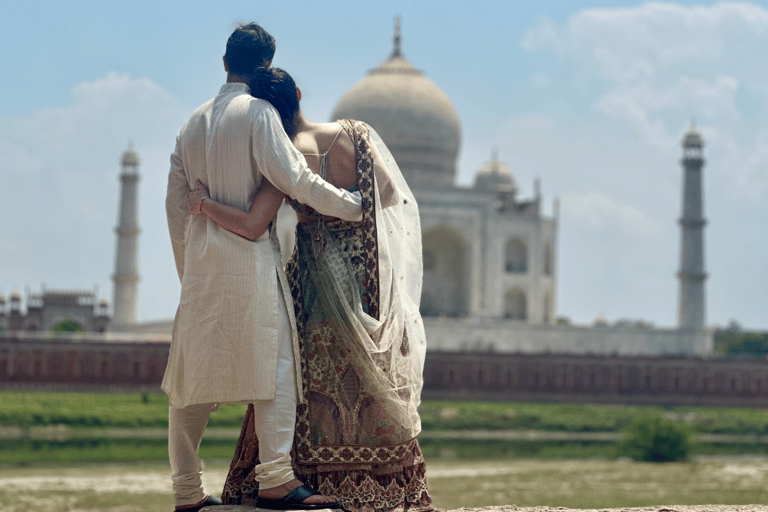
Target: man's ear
[
  {"x": 224, "y": 58},
  {"x": 298, "y": 93}
]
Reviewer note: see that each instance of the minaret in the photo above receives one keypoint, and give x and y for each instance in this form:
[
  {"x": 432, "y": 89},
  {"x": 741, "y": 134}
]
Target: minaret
[
  {"x": 691, "y": 308},
  {"x": 126, "y": 277}
]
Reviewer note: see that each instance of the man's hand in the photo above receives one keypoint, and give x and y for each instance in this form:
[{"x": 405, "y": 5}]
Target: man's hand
[{"x": 195, "y": 198}]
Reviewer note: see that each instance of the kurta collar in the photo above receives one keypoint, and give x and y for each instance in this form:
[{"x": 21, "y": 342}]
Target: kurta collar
[{"x": 235, "y": 87}]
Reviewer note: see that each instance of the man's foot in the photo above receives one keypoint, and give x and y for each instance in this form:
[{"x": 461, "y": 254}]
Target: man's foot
[
  {"x": 294, "y": 496},
  {"x": 207, "y": 502}
]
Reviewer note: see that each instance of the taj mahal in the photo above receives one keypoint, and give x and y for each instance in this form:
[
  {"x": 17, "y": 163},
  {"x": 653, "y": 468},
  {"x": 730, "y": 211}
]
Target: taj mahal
[{"x": 489, "y": 255}]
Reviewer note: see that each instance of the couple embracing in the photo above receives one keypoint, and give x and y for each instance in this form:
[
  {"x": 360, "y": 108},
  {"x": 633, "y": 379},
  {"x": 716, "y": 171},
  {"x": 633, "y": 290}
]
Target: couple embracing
[{"x": 328, "y": 352}]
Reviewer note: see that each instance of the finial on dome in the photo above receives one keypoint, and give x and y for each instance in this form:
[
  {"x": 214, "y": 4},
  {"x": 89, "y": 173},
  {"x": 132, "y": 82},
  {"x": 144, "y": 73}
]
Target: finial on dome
[
  {"x": 130, "y": 157},
  {"x": 397, "y": 39},
  {"x": 495, "y": 154},
  {"x": 693, "y": 138}
]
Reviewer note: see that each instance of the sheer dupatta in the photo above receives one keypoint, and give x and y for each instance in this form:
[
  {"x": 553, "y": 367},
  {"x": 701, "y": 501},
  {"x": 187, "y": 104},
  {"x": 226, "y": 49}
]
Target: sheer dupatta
[{"x": 358, "y": 286}]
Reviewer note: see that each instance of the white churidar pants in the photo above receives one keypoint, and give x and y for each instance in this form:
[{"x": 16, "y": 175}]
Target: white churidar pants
[{"x": 275, "y": 425}]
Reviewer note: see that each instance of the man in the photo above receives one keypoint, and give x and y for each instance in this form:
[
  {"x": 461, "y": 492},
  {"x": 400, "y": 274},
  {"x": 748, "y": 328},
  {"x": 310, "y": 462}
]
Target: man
[{"x": 234, "y": 339}]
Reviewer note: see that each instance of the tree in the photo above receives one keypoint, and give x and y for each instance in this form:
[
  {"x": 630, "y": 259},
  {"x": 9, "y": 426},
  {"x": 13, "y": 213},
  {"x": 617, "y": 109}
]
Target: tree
[
  {"x": 735, "y": 342},
  {"x": 67, "y": 325},
  {"x": 653, "y": 439}
]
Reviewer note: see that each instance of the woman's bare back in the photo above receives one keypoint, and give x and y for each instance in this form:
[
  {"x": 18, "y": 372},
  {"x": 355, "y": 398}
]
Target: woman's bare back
[{"x": 314, "y": 139}]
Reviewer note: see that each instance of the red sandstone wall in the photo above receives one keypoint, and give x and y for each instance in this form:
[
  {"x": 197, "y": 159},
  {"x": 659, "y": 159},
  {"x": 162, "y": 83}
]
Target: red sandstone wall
[
  {"x": 94, "y": 364},
  {"x": 63, "y": 363},
  {"x": 609, "y": 379}
]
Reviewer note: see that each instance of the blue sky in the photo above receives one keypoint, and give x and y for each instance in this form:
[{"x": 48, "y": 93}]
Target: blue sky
[{"x": 593, "y": 98}]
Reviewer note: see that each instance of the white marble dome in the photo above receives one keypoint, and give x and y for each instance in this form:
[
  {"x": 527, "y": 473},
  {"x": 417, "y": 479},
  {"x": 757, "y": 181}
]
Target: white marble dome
[
  {"x": 412, "y": 115},
  {"x": 494, "y": 176}
]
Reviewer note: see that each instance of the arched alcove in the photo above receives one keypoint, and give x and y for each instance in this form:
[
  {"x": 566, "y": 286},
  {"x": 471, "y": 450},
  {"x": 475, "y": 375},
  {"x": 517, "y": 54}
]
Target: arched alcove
[
  {"x": 446, "y": 273},
  {"x": 515, "y": 305},
  {"x": 547, "y": 308},
  {"x": 548, "y": 260},
  {"x": 427, "y": 305},
  {"x": 516, "y": 256},
  {"x": 429, "y": 260}
]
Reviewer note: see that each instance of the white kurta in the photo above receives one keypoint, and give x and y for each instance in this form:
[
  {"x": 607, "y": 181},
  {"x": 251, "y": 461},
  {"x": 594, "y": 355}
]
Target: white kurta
[{"x": 224, "y": 345}]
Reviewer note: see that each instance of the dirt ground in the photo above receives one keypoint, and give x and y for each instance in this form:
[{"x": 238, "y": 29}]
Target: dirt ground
[{"x": 671, "y": 508}]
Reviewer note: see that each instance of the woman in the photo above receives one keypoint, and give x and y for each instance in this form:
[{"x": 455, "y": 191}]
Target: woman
[{"x": 356, "y": 289}]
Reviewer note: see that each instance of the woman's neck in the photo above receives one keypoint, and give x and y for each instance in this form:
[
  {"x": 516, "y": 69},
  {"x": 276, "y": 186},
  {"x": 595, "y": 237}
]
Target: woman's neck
[{"x": 301, "y": 124}]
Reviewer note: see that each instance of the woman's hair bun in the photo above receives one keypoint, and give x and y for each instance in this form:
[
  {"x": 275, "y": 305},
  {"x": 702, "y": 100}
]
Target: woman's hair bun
[
  {"x": 261, "y": 78},
  {"x": 277, "y": 87}
]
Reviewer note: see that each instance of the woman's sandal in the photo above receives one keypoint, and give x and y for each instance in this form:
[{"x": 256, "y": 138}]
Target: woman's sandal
[{"x": 294, "y": 500}]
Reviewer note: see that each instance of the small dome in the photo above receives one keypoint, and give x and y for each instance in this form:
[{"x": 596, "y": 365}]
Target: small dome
[
  {"x": 601, "y": 321},
  {"x": 412, "y": 115},
  {"x": 693, "y": 138},
  {"x": 494, "y": 175},
  {"x": 130, "y": 157},
  {"x": 104, "y": 302},
  {"x": 15, "y": 296}
]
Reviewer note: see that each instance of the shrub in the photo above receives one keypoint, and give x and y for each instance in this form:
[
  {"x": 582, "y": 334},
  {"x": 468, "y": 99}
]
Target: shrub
[
  {"x": 653, "y": 439},
  {"x": 67, "y": 325}
]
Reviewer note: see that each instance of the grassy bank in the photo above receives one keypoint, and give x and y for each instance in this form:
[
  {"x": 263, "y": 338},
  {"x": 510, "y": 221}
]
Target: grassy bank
[
  {"x": 466, "y": 415},
  {"x": 100, "y": 450},
  {"x": 150, "y": 410},
  {"x": 120, "y": 410},
  {"x": 91, "y": 420}
]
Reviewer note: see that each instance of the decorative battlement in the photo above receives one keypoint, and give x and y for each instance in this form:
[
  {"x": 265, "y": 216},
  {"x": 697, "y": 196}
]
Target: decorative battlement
[{"x": 53, "y": 309}]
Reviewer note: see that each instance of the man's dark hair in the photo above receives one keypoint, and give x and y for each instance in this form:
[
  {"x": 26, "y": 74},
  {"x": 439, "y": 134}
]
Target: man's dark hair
[{"x": 248, "y": 47}]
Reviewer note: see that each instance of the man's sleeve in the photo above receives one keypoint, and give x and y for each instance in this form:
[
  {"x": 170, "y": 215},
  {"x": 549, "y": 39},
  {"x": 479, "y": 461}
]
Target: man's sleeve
[
  {"x": 284, "y": 166},
  {"x": 176, "y": 207}
]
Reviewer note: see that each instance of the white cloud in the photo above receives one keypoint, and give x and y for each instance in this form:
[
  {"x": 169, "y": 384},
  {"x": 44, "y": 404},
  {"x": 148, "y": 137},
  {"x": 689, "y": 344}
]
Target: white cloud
[
  {"x": 632, "y": 43},
  {"x": 541, "y": 79},
  {"x": 60, "y": 186},
  {"x": 648, "y": 71},
  {"x": 663, "y": 60},
  {"x": 644, "y": 104},
  {"x": 601, "y": 212},
  {"x": 659, "y": 66}
]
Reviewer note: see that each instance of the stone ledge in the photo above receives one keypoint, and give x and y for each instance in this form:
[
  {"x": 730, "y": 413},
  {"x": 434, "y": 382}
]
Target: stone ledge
[{"x": 512, "y": 508}]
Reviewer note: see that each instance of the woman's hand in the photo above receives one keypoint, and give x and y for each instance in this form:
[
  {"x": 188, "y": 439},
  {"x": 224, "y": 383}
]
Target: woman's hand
[{"x": 195, "y": 198}]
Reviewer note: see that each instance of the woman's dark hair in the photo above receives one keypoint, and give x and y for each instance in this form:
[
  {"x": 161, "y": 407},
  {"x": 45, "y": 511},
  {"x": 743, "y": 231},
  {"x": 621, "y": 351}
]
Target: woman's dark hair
[
  {"x": 248, "y": 46},
  {"x": 277, "y": 87}
]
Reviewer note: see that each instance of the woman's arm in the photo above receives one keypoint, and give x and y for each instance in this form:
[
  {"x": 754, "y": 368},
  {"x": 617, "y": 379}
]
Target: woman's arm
[{"x": 251, "y": 224}]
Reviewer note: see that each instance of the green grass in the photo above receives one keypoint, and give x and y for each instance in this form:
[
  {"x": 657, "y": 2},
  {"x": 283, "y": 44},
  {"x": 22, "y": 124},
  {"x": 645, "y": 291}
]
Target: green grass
[
  {"x": 74, "y": 451},
  {"x": 123, "y": 410},
  {"x": 97, "y": 411},
  {"x": 476, "y": 449},
  {"x": 468, "y": 415},
  {"x": 143, "y": 410},
  {"x": 491, "y": 449}
]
